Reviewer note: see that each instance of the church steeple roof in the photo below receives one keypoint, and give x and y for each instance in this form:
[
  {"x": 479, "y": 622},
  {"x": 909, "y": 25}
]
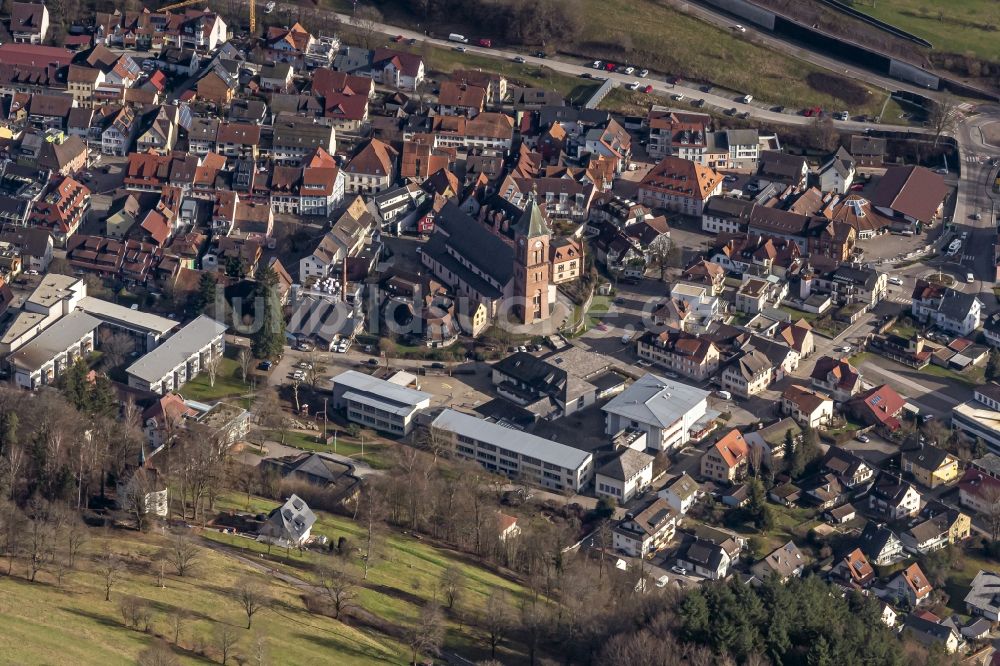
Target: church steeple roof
[{"x": 532, "y": 222}]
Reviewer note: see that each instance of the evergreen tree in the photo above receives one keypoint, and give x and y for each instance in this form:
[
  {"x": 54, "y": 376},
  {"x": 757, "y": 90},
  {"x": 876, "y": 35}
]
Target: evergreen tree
[
  {"x": 268, "y": 339},
  {"x": 789, "y": 443},
  {"x": 993, "y": 365},
  {"x": 205, "y": 295}
]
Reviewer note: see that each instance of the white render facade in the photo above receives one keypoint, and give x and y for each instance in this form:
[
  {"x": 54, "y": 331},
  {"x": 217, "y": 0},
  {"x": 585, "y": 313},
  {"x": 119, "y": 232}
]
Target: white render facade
[
  {"x": 179, "y": 359},
  {"x": 515, "y": 453}
]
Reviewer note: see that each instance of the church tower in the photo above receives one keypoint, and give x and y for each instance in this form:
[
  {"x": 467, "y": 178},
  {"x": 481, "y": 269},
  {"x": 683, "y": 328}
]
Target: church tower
[{"x": 531, "y": 264}]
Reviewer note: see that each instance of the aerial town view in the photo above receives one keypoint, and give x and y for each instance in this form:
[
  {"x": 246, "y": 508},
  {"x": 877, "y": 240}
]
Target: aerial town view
[{"x": 500, "y": 332}]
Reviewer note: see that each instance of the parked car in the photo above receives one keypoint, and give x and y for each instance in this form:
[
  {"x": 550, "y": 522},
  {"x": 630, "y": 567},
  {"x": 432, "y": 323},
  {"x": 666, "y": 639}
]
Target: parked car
[
  {"x": 746, "y": 99},
  {"x": 634, "y": 85},
  {"x": 264, "y": 365},
  {"x": 678, "y": 97},
  {"x": 643, "y": 73},
  {"x": 485, "y": 42},
  {"x": 662, "y": 581},
  {"x": 397, "y": 38},
  {"x": 460, "y": 49},
  {"x": 541, "y": 54},
  {"x": 598, "y": 64},
  {"x": 725, "y": 395},
  {"x": 411, "y": 41},
  {"x": 519, "y": 59},
  {"x": 863, "y": 438},
  {"x": 739, "y": 28},
  {"x": 896, "y": 281},
  {"x": 679, "y": 569},
  {"x": 372, "y": 361},
  {"x": 648, "y": 89}
]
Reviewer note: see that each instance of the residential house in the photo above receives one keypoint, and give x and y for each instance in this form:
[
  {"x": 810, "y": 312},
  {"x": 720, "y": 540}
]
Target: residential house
[
  {"x": 926, "y": 535},
  {"x": 296, "y": 139},
  {"x": 372, "y": 169},
  {"x": 867, "y": 151},
  {"x": 879, "y": 406},
  {"x": 836, "y": 377},
  {"x": 797, "y": 335},
  {"x": 931, "y": 633},
  {"x": 679, "y": 185},
  {"x": 983, "y": 599},
  {"x": 119, "y": 132},
  {"x": 61, "y": 209},
  {"x": 837, "y": 174},
  {"x": 625, "y": 476},
  {"x": 880, "y": 544},
  {"x": 142, "y": 490},
  {"x": 784, "y": 562},
  {"x": 953, "y": 311},
  {"x": 645, "y": 531},
  {"x": 689, "y": 355},
  {"x": 807, "y": 407},
  {"x": 668, "y": 412},
  {"x": 852, "y": 471},
  {"x": 930, "y": 466},
  {"x": 217, "y": 85},
  {"x": 682, "y": 493},
  {"x": 289, "y": 525},
  {"x": 612, "y": 141},
  {"x": 910, "y": 586},
  {"x": 397, "y": 69},
  {"x": 748, "y": 374},
  {"x": 707, "y": 274},
  {"x": 727, "y": 459},
  {"x": 893, "y": 498},
  {"x": 461, "y": 99},
  {"x": 705, "y": 558},
  {"x": 979, "y": 491},
  {"x": 566, "y": 255},
  {"x": 772, "y": 440},
  {"x": 725, "y": 215},
  {"x": 29, "y": 22},
  {"x": 682, "y": 135},
  {"x": 791, "y": 170},
  {"x": 854, "y": 570},
  {"x": 276, "y": 77}
]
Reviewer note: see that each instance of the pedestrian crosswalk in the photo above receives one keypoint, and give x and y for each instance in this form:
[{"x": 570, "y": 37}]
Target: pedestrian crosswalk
[{"x": 902, "y": 300}]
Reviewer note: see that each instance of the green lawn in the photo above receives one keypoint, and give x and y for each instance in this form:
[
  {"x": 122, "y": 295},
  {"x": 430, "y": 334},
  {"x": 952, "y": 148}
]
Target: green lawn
[
  {"x": 74, "y": 625},
  {"x": 406, "y": 572},
  {"x": 957, "y": 26},
  {"x": 227, "y": 383},
  {"x": 973, "y": 376},
  {"x": 375, "y": 449},
  {"x": 673, "y": 42},
  {"x": 858, "y": 359}
]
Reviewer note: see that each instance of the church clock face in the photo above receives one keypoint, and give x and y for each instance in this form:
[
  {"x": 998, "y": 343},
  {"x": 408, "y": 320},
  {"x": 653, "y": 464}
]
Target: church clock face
[{"x": 538, "y": 243}]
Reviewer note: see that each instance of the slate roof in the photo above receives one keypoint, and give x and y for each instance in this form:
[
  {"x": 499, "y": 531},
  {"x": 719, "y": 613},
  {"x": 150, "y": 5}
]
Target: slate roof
[
  {"x": 290, "y": 521},
  {"x": 627, "y": 465}
]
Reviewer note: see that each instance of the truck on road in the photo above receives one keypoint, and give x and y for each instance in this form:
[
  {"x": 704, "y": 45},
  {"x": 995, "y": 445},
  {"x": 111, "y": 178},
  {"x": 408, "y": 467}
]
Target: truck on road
[{"x": 455, "y": 37}]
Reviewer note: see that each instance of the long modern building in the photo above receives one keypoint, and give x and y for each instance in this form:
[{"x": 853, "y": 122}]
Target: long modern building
[
  {"x": 44, "y": 359},
  {"x": 180, "y": 358},
  {"x": 514, "y": 453},
  {"x": 980, "y": 417},
  {"x": 668, "y": 412},
  {"x": 145, "y": 328},
  {"x": 378, "y": 403}
]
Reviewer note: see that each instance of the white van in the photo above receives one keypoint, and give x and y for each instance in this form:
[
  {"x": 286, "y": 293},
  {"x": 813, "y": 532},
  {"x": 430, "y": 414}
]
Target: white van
[
  {"x": 455, "y": 37},
  {"x": 725, "y": 395},
  {"x": 969, "y": 277}
]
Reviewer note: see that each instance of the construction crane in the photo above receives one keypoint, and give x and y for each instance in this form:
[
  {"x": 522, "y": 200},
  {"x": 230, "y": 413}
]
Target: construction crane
[{"x": 188, "y": 3}]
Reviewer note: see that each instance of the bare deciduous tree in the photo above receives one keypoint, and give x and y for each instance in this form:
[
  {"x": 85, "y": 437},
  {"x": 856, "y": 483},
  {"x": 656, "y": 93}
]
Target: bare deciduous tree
[
  {"x": 110, "y": 568},
  {"x": 339, "y": 585},
  {"x": 157, "y": 654},
  {"x": 176, "y": 620},
  {"x": 496, "y": 620},
  {"x": 182, "y": 554},
  {"x": 212, "y": 365},
  {"x": 942, "y": 116},
  {"x": 224, "y": 638},
  {"x": 135, "y": 612},
  {"x": 245, "y": 359},
  {"x": 427, "y": 635},
  {"x": 116, "y": 348},
  {"x": 365, "y": 20},
  {"x": 451, "y": 586},
  {"x": 252, "y": 597}
]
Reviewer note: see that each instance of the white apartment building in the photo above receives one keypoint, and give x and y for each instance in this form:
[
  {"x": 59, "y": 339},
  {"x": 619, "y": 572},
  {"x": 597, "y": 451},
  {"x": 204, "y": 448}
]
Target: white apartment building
[{"x": 515, "y": 453}]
